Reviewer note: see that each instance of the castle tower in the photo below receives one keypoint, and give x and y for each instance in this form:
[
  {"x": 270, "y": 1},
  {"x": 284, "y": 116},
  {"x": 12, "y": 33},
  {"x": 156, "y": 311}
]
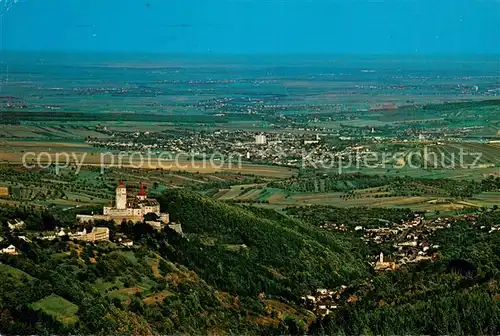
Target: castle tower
[
  {"x": 142, "y": 195},
  {"x": 121, "y": 196},
  {"x": 381, "y": 257}
]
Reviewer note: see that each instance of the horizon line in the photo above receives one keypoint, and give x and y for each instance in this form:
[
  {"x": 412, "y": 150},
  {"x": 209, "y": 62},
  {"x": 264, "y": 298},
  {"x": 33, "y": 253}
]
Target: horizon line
[{"x": 257, "y": 53}]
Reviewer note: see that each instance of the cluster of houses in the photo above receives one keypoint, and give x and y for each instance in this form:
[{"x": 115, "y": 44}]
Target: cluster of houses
[
  {"x": 97, "y": 234},
  {"x": 324, "y": 301},
  {"x": 410, "y": 239},
  {"x": 280, "y": 148},
  {"x": 328, "y": 225}
]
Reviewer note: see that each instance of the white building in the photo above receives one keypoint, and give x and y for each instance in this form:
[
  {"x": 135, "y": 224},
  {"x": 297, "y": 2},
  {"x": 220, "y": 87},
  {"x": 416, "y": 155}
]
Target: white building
[
  {"x": 15, "y": 224},
  {"x": 97, "y": 234},
  {"x": 9, "y": 250},
  {"x": 260, "y": 139}
]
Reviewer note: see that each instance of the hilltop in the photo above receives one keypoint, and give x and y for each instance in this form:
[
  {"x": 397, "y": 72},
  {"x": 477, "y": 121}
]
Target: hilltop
[{"x": 235, "y": 270}]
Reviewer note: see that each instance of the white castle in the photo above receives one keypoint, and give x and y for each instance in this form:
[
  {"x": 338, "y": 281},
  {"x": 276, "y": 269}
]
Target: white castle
[{"x": 128, "y": 209}]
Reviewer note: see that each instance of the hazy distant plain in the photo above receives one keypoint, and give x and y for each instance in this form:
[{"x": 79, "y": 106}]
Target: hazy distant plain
[{"x": 204, "y": 83}]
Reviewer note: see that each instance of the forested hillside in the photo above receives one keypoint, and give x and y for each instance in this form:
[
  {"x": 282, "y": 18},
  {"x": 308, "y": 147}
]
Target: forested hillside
[
  {"x": 280, "y": 255},
  {"x": 235, "y": 270},
  {"x": 241, "y": 269}
]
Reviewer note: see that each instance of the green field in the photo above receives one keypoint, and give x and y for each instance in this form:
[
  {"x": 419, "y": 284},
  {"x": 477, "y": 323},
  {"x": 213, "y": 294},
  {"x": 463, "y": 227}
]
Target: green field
[
  {"x": 61, "y": 309},
  {"x": 12, "y": 272},
  {"x": 419, "y": 195}
]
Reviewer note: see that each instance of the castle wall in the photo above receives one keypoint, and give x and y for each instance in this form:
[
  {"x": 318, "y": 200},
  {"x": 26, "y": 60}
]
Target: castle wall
[
  {"x": 91, "y": 218},
  {"x": 165, "y": 218},
  {"x": 151, "y": 209}
]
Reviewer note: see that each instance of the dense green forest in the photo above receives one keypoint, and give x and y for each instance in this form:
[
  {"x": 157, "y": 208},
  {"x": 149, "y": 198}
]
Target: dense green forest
[{"x": 241, "y": 269}]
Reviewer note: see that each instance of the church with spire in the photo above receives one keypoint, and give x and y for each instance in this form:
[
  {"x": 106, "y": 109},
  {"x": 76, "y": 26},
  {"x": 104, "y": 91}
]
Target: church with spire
[{"x": 126, "y": 208}]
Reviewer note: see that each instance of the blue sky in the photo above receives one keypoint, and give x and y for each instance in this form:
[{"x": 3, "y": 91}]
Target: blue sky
[{"x": 255, "y": 26}]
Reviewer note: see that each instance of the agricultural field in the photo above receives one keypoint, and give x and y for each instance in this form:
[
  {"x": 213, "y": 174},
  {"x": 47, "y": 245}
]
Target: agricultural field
[
  {"x": 80, "y": 155},
  {"x": 83, "y": 183},
  {"x": 64, "y": 188},
  {"x": 13, "y": 273},
  {"x": 422, "y": 157},
  {"x": 44, "y": 131},
  {"x": 476, "y": 174},
  {"x": 356, "y": 190},
  {"x": 279, "y": 199},
  {"x": 473, "y": 154},
  {"x": 59, "y": 308}
]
